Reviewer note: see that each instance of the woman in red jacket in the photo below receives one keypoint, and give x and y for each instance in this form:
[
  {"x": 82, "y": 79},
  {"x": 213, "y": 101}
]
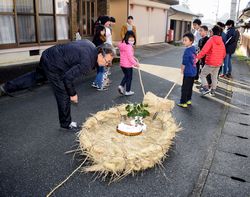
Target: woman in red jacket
[{"x": 215, "y": 53}]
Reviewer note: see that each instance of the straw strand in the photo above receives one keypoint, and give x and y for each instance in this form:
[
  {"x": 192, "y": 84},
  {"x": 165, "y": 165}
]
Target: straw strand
[{"x": 59, "y": 185}]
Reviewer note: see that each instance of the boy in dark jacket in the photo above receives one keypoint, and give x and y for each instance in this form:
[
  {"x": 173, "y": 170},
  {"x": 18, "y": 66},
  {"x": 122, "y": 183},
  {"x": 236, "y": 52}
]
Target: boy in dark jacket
[
  {"x": 188, "y": 69},
  {"x": 204, "y": 38},
  {"x": 224, "y": 38},
  {"x": 197, "y": 37}
]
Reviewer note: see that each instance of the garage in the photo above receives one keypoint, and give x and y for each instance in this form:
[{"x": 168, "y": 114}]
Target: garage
[{"x": 150, "y": 19}]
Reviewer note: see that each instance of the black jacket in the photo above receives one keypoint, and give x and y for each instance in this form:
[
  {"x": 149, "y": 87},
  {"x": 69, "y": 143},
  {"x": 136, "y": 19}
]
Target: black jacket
[
  {"x": 201, "y": 44},
  {"x": 70, "y": 61},
  {"x": 232, "y": 37}
]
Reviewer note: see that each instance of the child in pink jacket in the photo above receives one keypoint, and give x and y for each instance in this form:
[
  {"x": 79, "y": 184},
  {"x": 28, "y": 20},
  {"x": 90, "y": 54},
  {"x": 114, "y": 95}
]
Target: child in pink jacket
[{"x": 127, "y": 62}]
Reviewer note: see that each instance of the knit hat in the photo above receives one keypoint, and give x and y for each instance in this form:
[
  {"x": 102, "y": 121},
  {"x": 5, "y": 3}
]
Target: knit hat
[{"x": 104, "y": 19}]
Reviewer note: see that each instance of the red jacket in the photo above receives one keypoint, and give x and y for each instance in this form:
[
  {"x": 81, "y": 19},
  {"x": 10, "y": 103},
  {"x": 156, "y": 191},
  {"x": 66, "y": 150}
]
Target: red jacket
[{"x": 214, "y": 50}]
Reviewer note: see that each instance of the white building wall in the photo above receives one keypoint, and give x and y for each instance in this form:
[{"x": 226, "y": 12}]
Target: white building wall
[{"x": 150, "y": 19}]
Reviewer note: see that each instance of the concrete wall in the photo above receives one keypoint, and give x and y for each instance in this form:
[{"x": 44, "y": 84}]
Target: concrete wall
[
  {"x": 20, "y": 55},
  {"x": 158, "y": 25}
]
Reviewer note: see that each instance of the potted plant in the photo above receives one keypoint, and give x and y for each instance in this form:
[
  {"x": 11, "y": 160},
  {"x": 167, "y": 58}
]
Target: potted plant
[{"x": 137, "y": 112}]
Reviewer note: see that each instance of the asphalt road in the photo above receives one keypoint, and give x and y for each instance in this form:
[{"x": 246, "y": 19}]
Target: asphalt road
[{"x": 32, "y": 159}]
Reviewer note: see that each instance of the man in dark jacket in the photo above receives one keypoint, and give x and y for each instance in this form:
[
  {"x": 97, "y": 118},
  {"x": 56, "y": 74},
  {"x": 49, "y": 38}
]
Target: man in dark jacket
[
  {"x": 65, "y": 62},
  {"x": 232, "y": 37}
]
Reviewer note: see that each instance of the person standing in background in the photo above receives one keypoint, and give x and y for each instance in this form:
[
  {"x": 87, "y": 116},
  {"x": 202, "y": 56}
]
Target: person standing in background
[
  {"x": 105, "y": 20},
  {"x": 232, "y": 37},
  {"x": 204, "y": 38},
  {"x": 108, "y": 69},
  {"x": 99, "y": 39},
  {"x": 215, "y": 52},
  {"x": 129, "y": 26},
  {"x": 224, "y": 38},
  {"x": 112, "y": 23},
  {"x": 197, "y": 37}
]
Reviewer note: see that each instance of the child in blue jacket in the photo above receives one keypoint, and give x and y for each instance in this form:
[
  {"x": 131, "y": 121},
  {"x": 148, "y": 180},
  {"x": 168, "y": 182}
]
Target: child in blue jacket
[{"x": 188, "y": 69}]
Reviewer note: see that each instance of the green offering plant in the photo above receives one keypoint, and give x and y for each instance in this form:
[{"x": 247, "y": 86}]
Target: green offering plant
[{"x": 137, "y": 110}]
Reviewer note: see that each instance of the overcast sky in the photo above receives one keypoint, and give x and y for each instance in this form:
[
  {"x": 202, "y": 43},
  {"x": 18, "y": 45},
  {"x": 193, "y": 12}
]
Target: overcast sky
[{"x": 208, "y": 8}]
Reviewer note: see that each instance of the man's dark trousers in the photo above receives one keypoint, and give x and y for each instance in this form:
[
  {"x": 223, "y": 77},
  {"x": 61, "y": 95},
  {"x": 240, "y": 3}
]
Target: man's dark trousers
[{"x": 62, "y": 97}]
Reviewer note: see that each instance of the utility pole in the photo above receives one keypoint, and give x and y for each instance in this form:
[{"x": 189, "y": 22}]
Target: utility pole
[
  {"x": 238, "y": 10},
  {"x": 233, "y": 9},
  {"x": 217, "y": 11}
]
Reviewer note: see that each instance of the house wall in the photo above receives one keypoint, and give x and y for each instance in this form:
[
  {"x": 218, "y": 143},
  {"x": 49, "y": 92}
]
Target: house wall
[{"x": 119, "y": 10}]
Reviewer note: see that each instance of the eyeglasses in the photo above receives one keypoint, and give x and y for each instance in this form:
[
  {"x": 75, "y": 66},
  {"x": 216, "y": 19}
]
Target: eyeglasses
[{"x": 107, "y": 62}]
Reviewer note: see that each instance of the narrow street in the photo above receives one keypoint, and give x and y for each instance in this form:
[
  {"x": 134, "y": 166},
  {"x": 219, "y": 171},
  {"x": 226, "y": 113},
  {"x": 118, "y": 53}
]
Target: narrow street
[{"x": 32, "y": 148}]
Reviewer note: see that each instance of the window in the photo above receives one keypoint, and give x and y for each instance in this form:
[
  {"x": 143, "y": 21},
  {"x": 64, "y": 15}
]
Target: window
[
  {"x": 33, "y": 22},
  {"x": 87, "y": 12},
  {"x": 26, "y": 21},
  {"x": 46, "y": 20},
  {"x": 7, "y": 23},
  {"x": 62, "y": 20}
]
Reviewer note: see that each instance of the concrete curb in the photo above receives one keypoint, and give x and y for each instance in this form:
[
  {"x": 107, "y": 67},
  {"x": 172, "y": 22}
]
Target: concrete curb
[{"x": 198, "y": 189}]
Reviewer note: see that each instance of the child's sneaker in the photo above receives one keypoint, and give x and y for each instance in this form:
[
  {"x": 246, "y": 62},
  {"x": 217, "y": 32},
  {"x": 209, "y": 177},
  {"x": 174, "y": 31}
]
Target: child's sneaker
[
  {"x": 198, "y": 87},
  {"x": 94, "y": 85},
  {"x": 128, "y": 93},
  {"x": 204, "y": 91},
  {"x": 121, "y": 89},
  {"x": 102, "y": 88},
  {"x": 212, "y": 92},
  {"x": 189, "y": 102},
  {"x": 201, "y": 89},
  {"x": 183, "y": 105}
]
